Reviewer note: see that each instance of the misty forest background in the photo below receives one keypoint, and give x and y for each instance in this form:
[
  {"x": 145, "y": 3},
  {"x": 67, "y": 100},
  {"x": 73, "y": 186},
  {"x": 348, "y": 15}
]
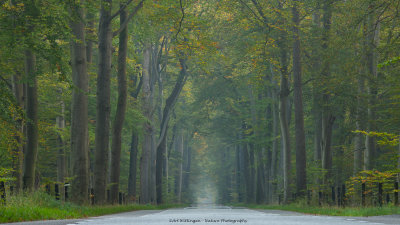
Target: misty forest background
[{"x": 228, "y": 101}]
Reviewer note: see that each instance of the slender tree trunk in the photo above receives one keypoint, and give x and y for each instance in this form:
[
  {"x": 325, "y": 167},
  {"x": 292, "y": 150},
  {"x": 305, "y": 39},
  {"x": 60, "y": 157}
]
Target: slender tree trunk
[
  {"x": 120, "y": 114},
  {"x": 18, "y": 154},
  {"x": 301, "y": 176},
  {"x": 360, "y": 120},
  {"x": 398, "y": 162},
  {"x": 275, "y": 143},
  {"x": 161, "y": 144},
  {"x": 79, "y": 109},
  {"x": 153, "y": 154},
  {"x": 260, "y": 189},
  {"x": 61, "y": 166},
  {"x": 30, "y": 156},
  {"x": 89, "y": 37},
  {"x": 371, "y": 64},
  {"x": 180, "y": 166},
  {"x": 238, "y": 173},
  {"x": 187, "y": 155},
  {"x": 317, "y": 113},
  {"x": 327, "y": 117},
  {"x": 283, "y": 116},
  {"x": 161, "y": 152},
  {"x": 146, "y": 145},
  {"x": 103, "y": 103},
  {"x": 133, "y": 166},
  {"x": 253, "y": 175}
]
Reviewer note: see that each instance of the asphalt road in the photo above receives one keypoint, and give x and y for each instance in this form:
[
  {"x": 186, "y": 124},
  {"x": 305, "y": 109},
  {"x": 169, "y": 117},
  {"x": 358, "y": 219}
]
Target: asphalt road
[{"x": 220, "y": 215}]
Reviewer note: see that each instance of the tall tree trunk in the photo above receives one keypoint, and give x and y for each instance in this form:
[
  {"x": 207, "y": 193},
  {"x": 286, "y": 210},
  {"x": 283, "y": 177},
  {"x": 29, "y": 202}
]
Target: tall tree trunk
[
  {"x": 283, "y": 117},
  {"x": 30, "y": 156},
  {"x": 360, "y": 120},
  {"x": 133, "y": 166},
  {"x": 90, "y": 18},
  {"x": 260, "y": 188},
  {"x": 153, "y": 153},
  {"x": 161, "y": 153},
  {"x": 238, "y": 174},
  {"x": 327, "y": 117},
  {"x": 18, "y": 154},
  {"x": 103, "y": 103},
  {"x": 186, "y": 168},
  {"x": 371, "y": 64},
  {"x": 275, "y": 143},
  {"x": 61, "y": 166},
  {"x": 246, "y": 168},
  {"x": 120, "y": 114},
  {"x": 301, "y": 176},
  {"x": 161, "y": 144},
  {"x": 79, "y": 109},
  {"x": 398, "y": 162},
  {"x": 317, "y": 113},
  {"x": 146, "y": 145},
  {"x": 258, "y": 167},
  {"x": 180, "y": 166},
  {"x": 253, "y": 175}
]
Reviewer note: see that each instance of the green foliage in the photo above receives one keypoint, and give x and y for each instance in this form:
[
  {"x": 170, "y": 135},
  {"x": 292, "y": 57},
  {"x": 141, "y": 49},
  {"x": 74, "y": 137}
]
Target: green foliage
[
  {"x": 371, "y": 178},
  {"x": 331, "y": 211},
  {"x": 40, "y": 206}
]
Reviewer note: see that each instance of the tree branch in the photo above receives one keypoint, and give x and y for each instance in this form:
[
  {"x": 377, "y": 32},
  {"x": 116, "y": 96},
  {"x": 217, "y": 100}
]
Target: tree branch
[
  {"x": 133, "y": 13},
  {"x": 6, "y": 82},
  {"x": 180, "y": 22},
  {"x": 121, "y": 9},
  {"x": 171, "y": 100},
  {"x": 135, "y": 93},
  {"x": 252, "y": 11}
]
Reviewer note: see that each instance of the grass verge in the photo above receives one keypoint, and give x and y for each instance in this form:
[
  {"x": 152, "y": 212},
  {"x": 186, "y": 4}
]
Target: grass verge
[
  {"x": 331, "y": 210},
  {"x": 40, "y": 206}
]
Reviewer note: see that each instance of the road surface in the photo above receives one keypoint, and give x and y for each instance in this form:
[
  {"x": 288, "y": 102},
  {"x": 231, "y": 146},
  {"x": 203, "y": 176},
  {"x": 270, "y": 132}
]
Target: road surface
[{"x": 220, "y": 215}]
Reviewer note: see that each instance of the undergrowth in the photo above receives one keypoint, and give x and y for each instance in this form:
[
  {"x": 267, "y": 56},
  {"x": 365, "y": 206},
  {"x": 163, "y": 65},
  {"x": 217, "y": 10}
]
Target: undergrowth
[
  {"x": 41, "y": 206},
  {"x": 330, "y": 210}
]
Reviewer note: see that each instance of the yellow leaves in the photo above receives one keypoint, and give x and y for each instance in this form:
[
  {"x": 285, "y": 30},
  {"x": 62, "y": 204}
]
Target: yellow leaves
[
  {"x": 384, "y": 138},
  {"x": 10, "y": 7}
]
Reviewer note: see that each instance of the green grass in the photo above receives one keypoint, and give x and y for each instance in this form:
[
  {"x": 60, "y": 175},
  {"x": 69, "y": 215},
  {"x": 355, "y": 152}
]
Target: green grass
[
  {"x": 40, "y": 206},
  {"x": 330, "y": 210}
]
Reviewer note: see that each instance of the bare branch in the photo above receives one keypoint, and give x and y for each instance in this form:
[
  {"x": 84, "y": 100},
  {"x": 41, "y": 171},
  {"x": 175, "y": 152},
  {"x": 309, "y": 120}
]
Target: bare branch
[{"x": 180, "y": 22}]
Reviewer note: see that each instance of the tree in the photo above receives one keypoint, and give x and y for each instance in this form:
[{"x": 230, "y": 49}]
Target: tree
[
  {"x": 79, "y": 108},
  {"x": 301, "y": 176}
]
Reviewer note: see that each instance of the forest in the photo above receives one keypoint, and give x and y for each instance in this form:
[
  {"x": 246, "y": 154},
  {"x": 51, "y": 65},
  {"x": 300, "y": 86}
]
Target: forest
[{"x": 201, "y": 101}]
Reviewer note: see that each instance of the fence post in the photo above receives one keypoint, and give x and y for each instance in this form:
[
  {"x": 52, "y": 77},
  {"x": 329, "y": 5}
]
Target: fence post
[
  {"x": 363, "y": 194},
  {"x": 48, "y": 189},
  {"x": 396, "y": 193},
  {"x": 57, "y": 191},
  {"x": 2, "y": 192},
  {"x": 387, "y": 198},
  {"x": 320, "y": 198},
  {"x": 343, "y": 195},
  {"x": 339, "y": 200},
  {"x": 333, "y": 194},
  {"x": 380, "y": 194},
  {"x": 66, "y": 192},
  {"x": 91, "y": 196}
]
